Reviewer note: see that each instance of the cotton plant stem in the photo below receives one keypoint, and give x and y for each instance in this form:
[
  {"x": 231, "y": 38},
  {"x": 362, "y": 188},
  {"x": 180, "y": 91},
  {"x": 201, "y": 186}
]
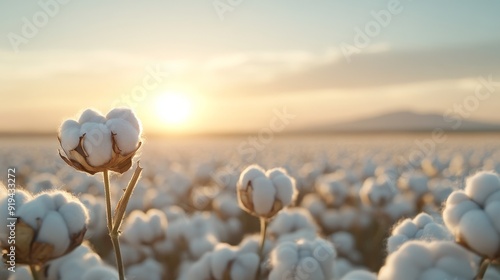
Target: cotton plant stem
[
  {"x": 482, "y": 269},
  {"x": 107, "y": 193},
  {"x": 263, "y": 231},
  {"x": 115, "y": 222}
]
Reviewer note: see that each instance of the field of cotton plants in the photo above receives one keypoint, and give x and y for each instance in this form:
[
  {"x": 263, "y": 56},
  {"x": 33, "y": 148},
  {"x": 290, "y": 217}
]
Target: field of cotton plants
[{"x": 324, "y": 207}]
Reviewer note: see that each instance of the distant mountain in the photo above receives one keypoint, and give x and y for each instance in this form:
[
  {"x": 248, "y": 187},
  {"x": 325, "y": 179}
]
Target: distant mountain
[{"x": 407, "y": 121}]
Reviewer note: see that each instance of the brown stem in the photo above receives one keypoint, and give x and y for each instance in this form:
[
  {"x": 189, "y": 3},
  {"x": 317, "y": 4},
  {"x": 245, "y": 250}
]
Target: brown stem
[{"x": 482, "y": 269}]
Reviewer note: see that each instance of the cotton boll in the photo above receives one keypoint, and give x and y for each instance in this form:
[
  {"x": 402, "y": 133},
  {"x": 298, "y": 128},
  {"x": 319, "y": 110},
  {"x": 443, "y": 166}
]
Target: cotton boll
[
  {"x": 125, "y": 135},
  {"x": 365, "y": 275},
  {"x": 32, "y": 212},
  {"x": 219, "y": 261},
  {"x": 285, "y": 190},
  {"x": 200, "y": 246},
  {"x": 419, "y": 260},
  {"x": 470, "y": 215},
  {"x": 97, "y": 143},
  {"x": 263, "y": 195},
  {"x": 150, "y": 269},
  {"x": 314, "y": 204},
  {"x": 22, "y": 273},
  {"x": 75, "y": 215},
  {"x": 69, "y": 135},
  {"x": 90, "y": 115},
  {"x": 478, "y": 233},
  {"x": 21, "y": 197},
  {"x": 125, "y": 114},
  {"x": 245, "y": 266},
  {"x": 333, "y": 188},
  {"x": 100, "y": 273},
  {"x": 43, "y": 182},
  {"x": 227, "y": 205},
  {"x": 480, "y": 186},
  {"x": 54, "y": 232},
  {"x": 377, "y": 192},
  {"x": 250, "y": 173}
]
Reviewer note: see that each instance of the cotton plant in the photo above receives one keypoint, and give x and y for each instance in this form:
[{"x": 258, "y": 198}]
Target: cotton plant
[
  {"x": 81, "y": 264},
  {"x": 264, "y": 193},
  {"x": 472, "y": 216},
  {"x": 225, "y": 262},
  {"x": 97, "y": 143},
  {"x": 293, "y": 224},
  {"x": 422, "y": 227},
  {"x": 360, "y": 275},
  {"x": 345, "y": 245},
  {"x": 49, "y": 226},
  {"x": 333, "y": 188},
  {"x": 416, "y": 260},
  {"x": 305, "y": 260}
]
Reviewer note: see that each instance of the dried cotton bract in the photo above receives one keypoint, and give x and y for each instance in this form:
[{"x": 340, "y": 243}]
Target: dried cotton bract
[
  {"x": 263, "y": 194},
  {"x": 96, "y": 143}
]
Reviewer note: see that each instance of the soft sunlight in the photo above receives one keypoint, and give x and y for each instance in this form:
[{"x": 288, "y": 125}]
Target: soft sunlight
[{"x": 173, "y": 108}]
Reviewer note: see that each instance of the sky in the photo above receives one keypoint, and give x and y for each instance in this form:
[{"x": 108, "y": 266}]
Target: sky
[{"x": 228, "y": 66}]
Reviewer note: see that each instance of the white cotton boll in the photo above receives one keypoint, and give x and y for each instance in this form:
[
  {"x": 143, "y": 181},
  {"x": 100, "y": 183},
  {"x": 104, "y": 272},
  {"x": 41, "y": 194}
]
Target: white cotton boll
[
  {"x": 245, "y": 266},
  {"x": 285, "y": 189},
  {"x": 407, "y": 228},
  {"x": 480, "y": 186},
  {"x": 54, "y": 232},
  {"x": 157, "y": 222},
  {"x": 69, "y": 134},
  {"x": 456, "y": 206},
  {"x": 395, "y": 241},
  {"x": 415, "y": 182},
  {"x": 219, "y": 261},
  {"x": 127, "y": 115},
  {"x": 59, "y": 199},
  {"x": 33, "y": 212},
  {"x": 100, "y": 273},
  {"x": 250, "y": 173},
  {"x": 363, "y": 275},
  {"x": 75, "y": 215},
  {"x": 21, "y": 197},
  {"x": 475, "y": 227},
  {"x": 97, "y": 143},
  {"x": 90, "y": 115},
  {"x": 343, "y": 241},
  {"x": 227, "y": 205},
  {"x": 200, "y": 246},
  {"x": 150, "y": 269},
  {"x": 22, "y": 273},
  {"x": 126, "y": 136},
  {"x": 492, "y": 210},
  {"x": 434, "y": 273},
  {"x": 263, "y": 195},
  {"x": 418, "y": 259}
]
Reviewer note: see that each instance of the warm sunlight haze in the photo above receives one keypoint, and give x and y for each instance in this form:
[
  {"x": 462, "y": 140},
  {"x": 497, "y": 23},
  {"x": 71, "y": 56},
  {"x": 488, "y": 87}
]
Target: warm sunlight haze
[{"x": 173, "y": 109}]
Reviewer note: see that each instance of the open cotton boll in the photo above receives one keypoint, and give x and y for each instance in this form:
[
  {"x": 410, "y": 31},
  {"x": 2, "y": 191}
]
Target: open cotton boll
[
  {"x": 144, "y": 228},
  {"x": 314, "y": 204},
  {"x": 90, "y": 115},
  {"x": 333, "y": 188},
  {"x": 149, "y": 269},
  {"x": 249, "y": 174},
  {"x": 21, "y": 197},
  {"x": 126, "y": 136},
  {"x": 365, "y": 275},
  {"x": 296, "y": 260},
  {"x": 55, "y": 232},
  {"x": 100, "y": 273},
  {"x": 422, "y": 227},
  {"x": 418, "y": 259},
  {"x": 377, "y": 191},
  {"x": 43, "y": 182},
  {"x": 127, "y": 115},
  {"x": 22, "y": 273},
  {"x": 265, "y": 194},
  {"x": 97, "y": 143},
  {"x": 74, "y": 216},
  {"x": 417, "y": 183},
  {"x": 472, "y": 217},
  {"x": 291, "y": 221},
  {"x": 69, "y": 134}
]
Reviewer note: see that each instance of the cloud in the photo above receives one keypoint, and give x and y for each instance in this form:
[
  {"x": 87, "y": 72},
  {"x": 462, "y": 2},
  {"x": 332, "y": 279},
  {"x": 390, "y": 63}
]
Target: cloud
[{"x": 385, "y": 68}]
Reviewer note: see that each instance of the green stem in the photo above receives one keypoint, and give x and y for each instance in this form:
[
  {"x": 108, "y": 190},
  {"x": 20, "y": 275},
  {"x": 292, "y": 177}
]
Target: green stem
[{"x": 482, "y": 269}]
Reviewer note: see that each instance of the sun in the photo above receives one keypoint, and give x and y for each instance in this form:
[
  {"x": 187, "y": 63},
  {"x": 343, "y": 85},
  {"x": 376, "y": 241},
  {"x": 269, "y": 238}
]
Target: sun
[{"x": 173, "y": 108}]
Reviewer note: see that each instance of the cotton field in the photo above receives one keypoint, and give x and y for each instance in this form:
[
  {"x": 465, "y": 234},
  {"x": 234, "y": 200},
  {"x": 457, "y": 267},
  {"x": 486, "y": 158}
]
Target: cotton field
[{"x": 356, "y": 207}]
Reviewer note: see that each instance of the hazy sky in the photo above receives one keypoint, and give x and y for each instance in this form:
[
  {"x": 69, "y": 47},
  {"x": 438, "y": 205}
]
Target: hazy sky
[{"x": 237, "y": 64}]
